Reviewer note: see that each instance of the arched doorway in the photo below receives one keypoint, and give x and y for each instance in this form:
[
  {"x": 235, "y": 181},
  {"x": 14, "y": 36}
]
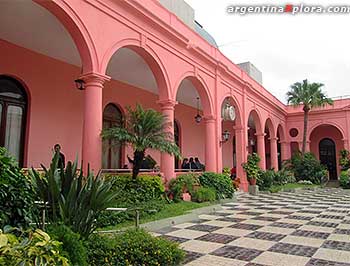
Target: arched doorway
[
  {"x": 327, "y": 155},
  {"x": 13, "y": 106},
  {"x": 111, "y": 151},
  {"x": 256, "y": 137},
  {"x": 326, "y": 141},
  {"x": 192, "y": 110},
  {"x": 177, "y": 141},
  {"x": 230, "y": 122}
]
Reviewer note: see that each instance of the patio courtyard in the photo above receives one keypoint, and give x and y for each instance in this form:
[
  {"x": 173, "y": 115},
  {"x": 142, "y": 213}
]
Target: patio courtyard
[{"x": 305, "y": 228}]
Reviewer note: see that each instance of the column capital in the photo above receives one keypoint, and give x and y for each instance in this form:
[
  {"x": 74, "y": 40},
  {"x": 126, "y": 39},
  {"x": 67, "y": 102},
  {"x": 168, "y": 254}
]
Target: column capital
[
  {"x": 260, "y": 134},
  {"x": 238, "y": 128},
  {"x": 285, "y": 142},
  {"x": 93, "y": 77},
  {"x": 167, "y": 104}
]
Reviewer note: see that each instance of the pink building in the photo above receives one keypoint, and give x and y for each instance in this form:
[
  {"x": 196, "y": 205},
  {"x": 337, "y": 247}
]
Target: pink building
[{"x": 138, "y": 51}]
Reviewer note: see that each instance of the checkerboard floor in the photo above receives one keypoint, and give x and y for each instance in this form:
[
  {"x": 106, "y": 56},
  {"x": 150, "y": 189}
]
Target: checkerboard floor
[{"x": 308, "y": 228}]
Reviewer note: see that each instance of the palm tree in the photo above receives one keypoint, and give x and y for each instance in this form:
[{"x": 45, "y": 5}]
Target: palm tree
[
  {"x": 144, "y": 129},
  {"x": 309, "y": 95}
]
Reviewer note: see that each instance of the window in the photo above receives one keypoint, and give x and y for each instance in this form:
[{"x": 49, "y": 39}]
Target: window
[
  {"x": 111, "y": 150},
  {"x": 13, "y": 103}
]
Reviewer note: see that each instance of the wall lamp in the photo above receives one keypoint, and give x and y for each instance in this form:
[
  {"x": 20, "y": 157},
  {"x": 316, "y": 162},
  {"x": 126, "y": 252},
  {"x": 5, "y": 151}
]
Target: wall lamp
[
  {"x": 225, "y": 136},
  {"x": 198, "y": 117},
  {"x": 80, "y": 84}
]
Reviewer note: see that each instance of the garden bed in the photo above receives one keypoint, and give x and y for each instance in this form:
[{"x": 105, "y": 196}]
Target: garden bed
[
  {"x": 170, "y": 210},
  {"x": 292, "y": 187}
]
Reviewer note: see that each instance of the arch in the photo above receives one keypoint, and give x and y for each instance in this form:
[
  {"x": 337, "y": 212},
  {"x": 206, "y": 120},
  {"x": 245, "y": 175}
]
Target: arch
[
  {"x": 328, "y": 156},
  {"x": 236, "y": 104},
  {"x": 281, "y": 133},
  {"x": 201, "y": 88},
  {"x": 118, "y": 106},
  {"x": 77, "y": 30},
  {"x": 151, "y": 58},
  {"x": 111, "y": 152},
  {"x": 271, "y": 128},
  {"x": 328, "y": 123},
  {"x": 177, "y": 139},
  {"x": 257, "y": 120},
  {"x": 13, "y": 117}
]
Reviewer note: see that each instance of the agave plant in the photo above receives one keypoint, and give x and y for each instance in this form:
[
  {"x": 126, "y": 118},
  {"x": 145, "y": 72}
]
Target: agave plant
[{"x": 73, "y": 199}]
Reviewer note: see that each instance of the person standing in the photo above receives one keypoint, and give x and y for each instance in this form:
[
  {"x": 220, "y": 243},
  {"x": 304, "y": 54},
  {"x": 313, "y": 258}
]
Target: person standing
[{"x": 61, "y": 159}]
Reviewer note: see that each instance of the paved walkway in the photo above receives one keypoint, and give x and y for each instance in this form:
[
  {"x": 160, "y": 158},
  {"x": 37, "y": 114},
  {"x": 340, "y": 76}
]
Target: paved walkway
[{"x": 309, "y": 228}]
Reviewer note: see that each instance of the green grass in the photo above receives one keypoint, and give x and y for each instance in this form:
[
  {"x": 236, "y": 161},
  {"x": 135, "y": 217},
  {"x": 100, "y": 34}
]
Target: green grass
[
  {"x": 276, "y": 188},
  {"x": 169, "y": 210}
]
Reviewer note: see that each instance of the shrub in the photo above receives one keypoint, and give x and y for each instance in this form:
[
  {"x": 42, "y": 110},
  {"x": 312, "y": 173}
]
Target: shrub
[
  {"x": 251, "y": 167},
  {"x": 266, "y": 180},
  {"x": 284, "y": 176},
  {"x": 73, "y": 248},
  {"x": 145, "y": 192},
  {"x": 132, "y": 191},
  {"x": 134, "y": 247},
  {"x": 344, "y": 179},
  {"x": 344, "y": 160},
  {"x": 29, "y": 248},
  {"x": 16, "y": 194},
  {"x": 181, "y": 184},
  {"x": 204, "y": 194},
  {"x": 221, "y": 183},
  {"x": 74, "y": 199},
  {"x": 226, "y": 171},
  {"x": 307, "y": 167}
]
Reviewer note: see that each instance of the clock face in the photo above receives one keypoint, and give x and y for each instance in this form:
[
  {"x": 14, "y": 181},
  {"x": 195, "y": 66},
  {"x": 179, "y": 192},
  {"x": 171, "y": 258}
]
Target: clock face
[{"x": 229, "y": 113}]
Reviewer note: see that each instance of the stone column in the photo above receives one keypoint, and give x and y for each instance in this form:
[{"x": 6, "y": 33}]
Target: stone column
[
  {"x": 346, "y": 144},
  {"x": 167, "y": 164},
  {"x": 261, "y": 150},
  {"x": 273, "y": 153},
  {"x": 210, "y": 144},
  {"x": 241, "y": 147},
  {"x": 285, "y": 150},
  {"x": 93, "y": 116}
]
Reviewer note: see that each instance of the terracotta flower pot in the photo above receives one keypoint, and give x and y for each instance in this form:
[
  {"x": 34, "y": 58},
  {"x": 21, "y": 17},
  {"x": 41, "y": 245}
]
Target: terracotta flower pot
[
  {"x": 252, "y": 181},
  {"x": 186, "y": 196}
]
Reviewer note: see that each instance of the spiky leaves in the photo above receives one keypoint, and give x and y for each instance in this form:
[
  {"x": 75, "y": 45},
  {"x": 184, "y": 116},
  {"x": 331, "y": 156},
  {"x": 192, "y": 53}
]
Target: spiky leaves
[
  {"x": 309, "y": 95},
  {"x": 144, "y": 129}
]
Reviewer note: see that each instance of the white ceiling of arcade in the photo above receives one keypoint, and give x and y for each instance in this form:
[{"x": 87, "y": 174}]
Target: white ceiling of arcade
[{"x": 28, "y": 25}]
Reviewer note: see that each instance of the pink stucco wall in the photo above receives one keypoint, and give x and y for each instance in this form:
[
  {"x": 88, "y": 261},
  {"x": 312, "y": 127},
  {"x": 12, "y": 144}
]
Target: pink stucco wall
[
  {"x": 173, "y": 52},
  {"x": 56, "y": 106}
]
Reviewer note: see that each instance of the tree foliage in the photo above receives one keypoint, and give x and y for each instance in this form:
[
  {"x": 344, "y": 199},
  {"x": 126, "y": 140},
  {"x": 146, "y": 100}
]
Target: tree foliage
[
  {"x": 144, "y": 129},
  {"x": 309, "y": 95}
]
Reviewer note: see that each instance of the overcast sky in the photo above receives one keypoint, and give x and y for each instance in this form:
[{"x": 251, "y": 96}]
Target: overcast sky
[{"x": 285, "y": 48}]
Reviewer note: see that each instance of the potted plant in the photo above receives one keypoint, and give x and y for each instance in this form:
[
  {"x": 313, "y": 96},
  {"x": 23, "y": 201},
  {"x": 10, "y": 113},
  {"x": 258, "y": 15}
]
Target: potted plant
[{"x": 252, "y": 168}]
